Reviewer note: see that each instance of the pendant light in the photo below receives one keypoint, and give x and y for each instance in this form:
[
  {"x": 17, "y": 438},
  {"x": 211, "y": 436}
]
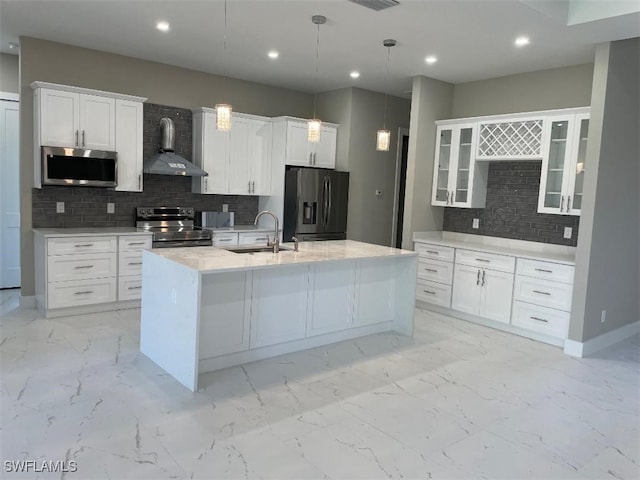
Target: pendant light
[
  {"x": 315, "y": 124},
  {"x": 383, "y": 137},
  {"x": 223, "y": 110}
]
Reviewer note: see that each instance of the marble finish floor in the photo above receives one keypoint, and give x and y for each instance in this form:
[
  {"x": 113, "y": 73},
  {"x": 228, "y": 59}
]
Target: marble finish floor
[{"x": 456, "y": 401}]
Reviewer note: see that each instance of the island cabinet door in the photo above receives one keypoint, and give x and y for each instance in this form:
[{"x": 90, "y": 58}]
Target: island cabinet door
[
  {"x": 279, "y": 305},
  {"x": 331, "y": 297},
  {"x": 224, "y": 314},
  {"x": 374, "y": 292}
]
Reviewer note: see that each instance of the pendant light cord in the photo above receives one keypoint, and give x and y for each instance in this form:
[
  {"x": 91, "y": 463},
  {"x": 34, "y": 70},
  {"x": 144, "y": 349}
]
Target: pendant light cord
[
  {"x": 224, "y": 47},
  {"x": 315, "y": 86},
  {"x": 386, "y": 89}
]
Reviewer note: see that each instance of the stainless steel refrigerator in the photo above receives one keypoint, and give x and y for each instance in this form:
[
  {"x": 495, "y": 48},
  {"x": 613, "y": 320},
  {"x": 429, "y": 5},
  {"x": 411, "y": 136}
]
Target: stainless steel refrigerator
[{"x": 315, "y": 204}]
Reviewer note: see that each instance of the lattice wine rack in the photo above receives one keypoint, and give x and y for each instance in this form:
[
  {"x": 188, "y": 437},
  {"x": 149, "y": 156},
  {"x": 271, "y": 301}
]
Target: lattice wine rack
[{"x": 509, "y": 140}]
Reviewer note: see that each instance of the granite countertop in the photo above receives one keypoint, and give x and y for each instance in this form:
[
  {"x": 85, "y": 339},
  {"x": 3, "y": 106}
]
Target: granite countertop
[
  {"x": 217, "y": 260},
  {"x": 501, "y": 246},
  {"x": 95, "y": 231}
]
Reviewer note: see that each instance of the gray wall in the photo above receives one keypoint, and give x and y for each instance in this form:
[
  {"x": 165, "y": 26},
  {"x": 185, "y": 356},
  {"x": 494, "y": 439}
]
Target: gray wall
[
  {"x": 335, "y": 107},
  {"x": 542, "y": 90},
  {"x": 430, "y": 101},
  {"x": 9, "y": 67},
  {"x": 608, "y": 254},
  {"x": 161, "y": 84}
]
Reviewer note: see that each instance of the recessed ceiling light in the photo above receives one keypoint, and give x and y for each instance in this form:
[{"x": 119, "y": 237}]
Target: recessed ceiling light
[
  {"x": 431, "y": 59},
  {"x": 163, "y": 26},
  {"x": 354, "y": 74},
  {"x": 273, "y": 54},
  {"x": 522, "y": 41}
]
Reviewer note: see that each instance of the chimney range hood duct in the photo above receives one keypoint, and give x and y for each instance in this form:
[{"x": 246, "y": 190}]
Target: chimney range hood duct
[{"x": 166, "y": 162}]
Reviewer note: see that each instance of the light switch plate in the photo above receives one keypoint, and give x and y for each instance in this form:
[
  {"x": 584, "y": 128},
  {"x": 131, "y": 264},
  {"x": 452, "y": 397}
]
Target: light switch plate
[
  {"x": 59, "y": 207},
  {"x": 225, "y": 207},
  {"x": 476, "y": 223},
  {"x": 111, "y": 207},
  {"x": 568, "y": 231}
]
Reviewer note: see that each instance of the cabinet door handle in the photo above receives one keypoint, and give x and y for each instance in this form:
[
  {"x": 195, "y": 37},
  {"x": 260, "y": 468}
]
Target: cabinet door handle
[
  {"x": 135, "y": 263},
  {"x": 478, "y": 278},
  {"x": 431, "y": 270},
  {"x": 76, "y": 138},
  {"x": 543, "y": 270},
  {"x": 206, "y": 185},
  {"x": 539, "y": 319},
  {"x": 483, "y": 260},
  {"x": 78, "y": 245},
  {"x": 541, "y": 293},
  {"x": 136, "y": 243},
  {"x": 568, "y": 203},
  {"x": 83, "y": 266},
  {"x": 253, "y": 186},
  {"x": 483, "y": 274},
  {"x": 86, "y": 292},
  {"x": 453, "y": 197},
  {"x": 429, "y": 292},
  {"x": 432, "y": 252},
  {"x": 448, "y": 194},
  {"x": 83, "y": 138},
  {"x": 249, "y": 186},
  {"x": 140, "y": 182},
  {"x": 134, "y": 288},
  {"x": 561, "y": 203}
]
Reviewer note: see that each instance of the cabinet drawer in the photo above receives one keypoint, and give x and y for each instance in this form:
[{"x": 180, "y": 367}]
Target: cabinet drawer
[
  {"x": 83, "y": 266},
  {"x": 224, "y": 239},
  {"x": 491, "y": 261},
  {"x": 130, "y": 263},
  {"x": 254, "y": 238},
  {"x": 441, "y": 272},
  {"x": 432, "y": 292},
  {"x": 543, "y": 292},
  {"x": 540, "y": 319},
  {"x": 436, "y": 252},
  {"x": 545, "y": 270},
  {"x": 81, "y": 292},
  {"x": 130, "y": 288},
  {"x": 134, "y": 242},
  {"x": 68, "y": 245}
]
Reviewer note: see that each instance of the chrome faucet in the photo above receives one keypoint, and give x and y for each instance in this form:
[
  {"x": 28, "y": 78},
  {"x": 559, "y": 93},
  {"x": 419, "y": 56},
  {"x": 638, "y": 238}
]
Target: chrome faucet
[{"x": 276, "y": 238}]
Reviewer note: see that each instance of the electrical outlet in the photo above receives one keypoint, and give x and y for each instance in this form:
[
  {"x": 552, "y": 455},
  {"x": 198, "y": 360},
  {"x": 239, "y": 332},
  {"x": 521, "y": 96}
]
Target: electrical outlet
[
  {"x": 378, "y": 193},
  {"x": 111, "y": 208},
  {"x": 603, "y": 316},
  {"x": 225, "y": 207},
  {"x": 59, "y": 207},
  {"x": 568, "y": 231},
  {"x": 476, "y": 223}
]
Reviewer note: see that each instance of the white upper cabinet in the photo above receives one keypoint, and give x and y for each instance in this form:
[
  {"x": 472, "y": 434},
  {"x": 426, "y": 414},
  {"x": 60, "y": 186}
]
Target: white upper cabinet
[
  {"x": 563, "y": 164},
  {"x": 67, "y": 116},
  {"x": 237, "y": 161},
  {"x": 129, "y": 145},
  {"x": 458, "y": 181},
  {"x": 301, "y": 152}
]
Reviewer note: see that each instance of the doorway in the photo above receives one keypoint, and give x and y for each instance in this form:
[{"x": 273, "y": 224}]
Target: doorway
[
  {"x": 9, "y": 191},
  {"x": 401, "y": 184}
]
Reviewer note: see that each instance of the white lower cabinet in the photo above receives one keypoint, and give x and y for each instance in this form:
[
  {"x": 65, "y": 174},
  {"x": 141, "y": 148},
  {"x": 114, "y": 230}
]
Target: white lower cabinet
[
  {"x": 225, "y": 239},
  {"x": 225, "y": 315},
  {"x": 435, "y": 274},
  {"x": 130, "y": 250},
  {"x": 331, "y": 295},
  {"x": 76, "y": 293},
  {"x": 278, "y": 305},
  {"x": 375, "y": 294},
  {"x": 541, "y": 319},
  {"x": 252, "y": 238}
]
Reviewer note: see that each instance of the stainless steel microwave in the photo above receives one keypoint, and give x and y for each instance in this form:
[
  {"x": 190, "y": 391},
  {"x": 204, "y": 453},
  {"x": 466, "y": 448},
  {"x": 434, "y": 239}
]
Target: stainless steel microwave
[{"x": 79, "y": 166}]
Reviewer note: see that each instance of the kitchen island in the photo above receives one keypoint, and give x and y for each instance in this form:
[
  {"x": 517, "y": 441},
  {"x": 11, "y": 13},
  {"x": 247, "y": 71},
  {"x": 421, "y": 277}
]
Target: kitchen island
[{"x": 206, "y": 308}]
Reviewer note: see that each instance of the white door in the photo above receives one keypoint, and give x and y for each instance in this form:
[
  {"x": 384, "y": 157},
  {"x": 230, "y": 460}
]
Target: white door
[
  {"x": 129, "y": 145},
  {"x": 239, "y": 157},
  {"x": 10, "y": 195},
  {"x": 59, "y": 118},
  {"x": 215, "y": 156},
  {"x": 497, "y": 291},
  {"x": 297, "y": 144},
  {"x": 261, "y": 157},
  {"x": 466, "y": 289},
  {"x": 324, "y": 155},
  {"x": 97, "y": 122}
]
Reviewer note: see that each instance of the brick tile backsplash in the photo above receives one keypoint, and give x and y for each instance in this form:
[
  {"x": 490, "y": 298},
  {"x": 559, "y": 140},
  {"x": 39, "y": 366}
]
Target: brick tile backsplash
[
  {"x": 87, "y": 206},
  {"x": 511, "y": 208}
]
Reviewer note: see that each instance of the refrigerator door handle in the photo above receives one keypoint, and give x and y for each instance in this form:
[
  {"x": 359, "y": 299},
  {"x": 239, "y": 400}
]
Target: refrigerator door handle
[
  {"x": 329, "y": 189},
  {"x": 323, "y": 213}
]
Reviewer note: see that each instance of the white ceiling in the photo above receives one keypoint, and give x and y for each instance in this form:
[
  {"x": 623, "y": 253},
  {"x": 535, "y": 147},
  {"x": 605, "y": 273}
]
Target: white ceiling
[{"x": 473, "y": 39}]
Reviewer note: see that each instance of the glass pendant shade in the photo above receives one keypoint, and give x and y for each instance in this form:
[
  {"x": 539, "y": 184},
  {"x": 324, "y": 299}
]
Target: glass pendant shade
[
  {"x": 223, "y": 117},
  {"x": 383, "y": 139},
  {"x": 313, "y": 134}
]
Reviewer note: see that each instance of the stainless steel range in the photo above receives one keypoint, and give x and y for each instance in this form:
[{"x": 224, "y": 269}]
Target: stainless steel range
[{"x": 173, "y": 227}]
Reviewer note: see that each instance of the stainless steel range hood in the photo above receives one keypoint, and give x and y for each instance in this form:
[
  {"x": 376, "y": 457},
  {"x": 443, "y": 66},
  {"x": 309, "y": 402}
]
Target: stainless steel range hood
[{"x": 166, "y": 162}]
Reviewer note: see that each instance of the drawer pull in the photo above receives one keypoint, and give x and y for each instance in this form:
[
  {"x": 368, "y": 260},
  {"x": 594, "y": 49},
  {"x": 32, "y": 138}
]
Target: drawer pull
[
  {"x": 79, "y": 245},
  {"x": 432, "y": 252},
  {"x": 134, "y": 288},
  {"x": 86, "y": 292},
  {"x": 483, "y": 260},
  {"x": 543, "y": 270},
  {"x": 137, "y": 243},
  {"x": 431, "y": 270},
  {"x": 539, "y": 319},
  {"x": 429, "y": 292},
  {"x": 83, "y": 266},
  {"x": 224, "y": 240},
  {"x": 135, "y": 263},
  {"x": 541, "y": 293}
]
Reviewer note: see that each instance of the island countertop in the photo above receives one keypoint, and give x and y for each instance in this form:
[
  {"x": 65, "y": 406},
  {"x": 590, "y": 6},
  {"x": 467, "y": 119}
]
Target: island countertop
[{"x": 216, "y": 260}]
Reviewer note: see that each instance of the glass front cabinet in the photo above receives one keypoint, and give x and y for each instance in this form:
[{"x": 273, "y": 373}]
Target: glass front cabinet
[
  {"x": 563, "y": 164},
  {"x": 457, "y": 180}
]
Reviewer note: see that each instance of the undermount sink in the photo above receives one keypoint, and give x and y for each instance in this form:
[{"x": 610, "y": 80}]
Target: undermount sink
[{"x": 254, "y": 249}]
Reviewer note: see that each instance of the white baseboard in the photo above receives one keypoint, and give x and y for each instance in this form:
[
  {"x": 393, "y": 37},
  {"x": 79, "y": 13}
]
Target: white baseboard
[
  {"x": 27, "y": 301},
  {"x": 584, "y": 349}
]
